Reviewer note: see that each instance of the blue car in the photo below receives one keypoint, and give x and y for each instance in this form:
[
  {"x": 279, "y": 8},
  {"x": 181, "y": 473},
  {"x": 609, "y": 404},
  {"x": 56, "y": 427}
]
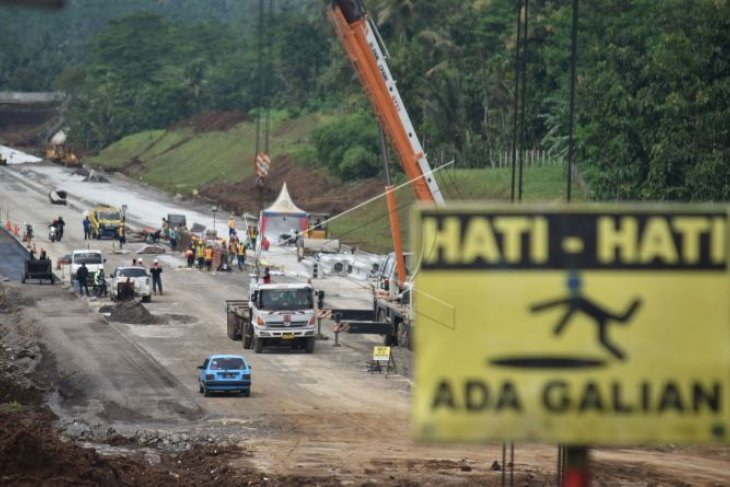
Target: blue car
[{"x": 225, "y": 373}]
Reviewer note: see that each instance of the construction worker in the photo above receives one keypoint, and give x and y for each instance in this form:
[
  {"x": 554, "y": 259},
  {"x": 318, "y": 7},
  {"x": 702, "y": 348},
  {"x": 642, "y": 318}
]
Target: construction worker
[
  {"x": 190, "y": 254},
  {"x": 241, "y": 254},
  {"x": 82, "y": 274},
  {"x": 156, "y": 272},
  {"x": 252, "y": 234},
  {"x": 87, "y": 228},
  {"x": 173, "y": 239},
  {"x": 232, "y": 251},
  {"x": 200, "y": 254},
  {"x": 232, "y": 225},
  {"x": 208, "y": 257},
  {"x": 140, "y": 262},
  {"x": 122, "y": 236},
  {"x": 99, "y": 281}
]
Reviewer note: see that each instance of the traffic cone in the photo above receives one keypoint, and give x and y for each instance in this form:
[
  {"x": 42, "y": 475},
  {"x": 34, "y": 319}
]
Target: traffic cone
[{"x": 16, "y": 230}]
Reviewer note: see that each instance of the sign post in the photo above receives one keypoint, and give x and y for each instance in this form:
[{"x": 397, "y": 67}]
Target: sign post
[
  {"x": 579, "y": 326},
  {"x": 383, "y": 354}
]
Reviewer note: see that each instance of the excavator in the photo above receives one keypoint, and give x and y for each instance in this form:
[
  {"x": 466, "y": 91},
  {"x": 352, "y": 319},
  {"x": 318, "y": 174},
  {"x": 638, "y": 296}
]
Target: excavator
[{"x": 360, "y": 39}]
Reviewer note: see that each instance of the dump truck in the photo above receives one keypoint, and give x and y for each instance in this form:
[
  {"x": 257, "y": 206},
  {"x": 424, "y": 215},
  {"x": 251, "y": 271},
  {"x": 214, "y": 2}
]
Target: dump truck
[
  {"x": 105, "y": 221},
  {"x": 274, "y": 314}
]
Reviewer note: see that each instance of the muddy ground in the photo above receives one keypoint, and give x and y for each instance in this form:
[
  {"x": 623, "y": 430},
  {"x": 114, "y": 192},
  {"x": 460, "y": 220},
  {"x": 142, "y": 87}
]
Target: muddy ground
[
  {"x": 36, "y": 450},
  {"x": 39, "y": 448}
]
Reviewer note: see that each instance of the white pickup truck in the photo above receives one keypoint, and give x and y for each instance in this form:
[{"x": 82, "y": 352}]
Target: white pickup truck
[{"x": 274, "y": 314}]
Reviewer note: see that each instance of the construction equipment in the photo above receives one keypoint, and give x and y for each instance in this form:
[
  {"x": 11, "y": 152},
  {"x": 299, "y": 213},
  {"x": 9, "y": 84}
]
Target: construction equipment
[
  {"x": 317, "y": 226},
  {"x": 58, "y": 152},
  {"x": 105, "y": 221},
  {"x": 391, "y": 316},
  {"x": 61, "y": 155},
  {"x": 274, "y": 314}
]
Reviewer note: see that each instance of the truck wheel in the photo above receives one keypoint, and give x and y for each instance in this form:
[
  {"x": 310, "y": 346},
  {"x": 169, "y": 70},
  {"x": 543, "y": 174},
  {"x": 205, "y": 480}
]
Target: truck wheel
[
  {"x": 310, "y": 344},
  {"x": 200, "y": 388},
  {"x": 258, "y": 344},
  {"x": 234, "y": 331},
  {"x": 247, "y": 339},
  {"x": 206, "y": 392}
]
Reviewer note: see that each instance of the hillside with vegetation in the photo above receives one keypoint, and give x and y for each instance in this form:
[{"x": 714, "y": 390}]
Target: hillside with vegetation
[{"x": 652, "y": 106}]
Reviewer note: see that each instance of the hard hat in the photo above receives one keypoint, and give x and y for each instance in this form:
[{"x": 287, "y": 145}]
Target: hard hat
[
  {"x": 140, "y": 260},
  {"x": 157, "y": 261}
]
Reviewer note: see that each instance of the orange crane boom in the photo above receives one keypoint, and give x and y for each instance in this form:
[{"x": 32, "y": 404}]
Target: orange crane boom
[{"x": 359, "y": 38}]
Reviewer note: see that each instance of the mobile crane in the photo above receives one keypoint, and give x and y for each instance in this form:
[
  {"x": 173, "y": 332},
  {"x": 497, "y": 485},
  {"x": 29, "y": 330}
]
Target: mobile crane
[
  {"x": 359, "y": 37},
  {"x": 391, "y": 313}
]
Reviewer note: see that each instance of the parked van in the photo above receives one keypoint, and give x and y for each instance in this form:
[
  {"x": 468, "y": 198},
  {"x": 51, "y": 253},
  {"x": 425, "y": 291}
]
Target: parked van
[{"x": 93, "y": 259}]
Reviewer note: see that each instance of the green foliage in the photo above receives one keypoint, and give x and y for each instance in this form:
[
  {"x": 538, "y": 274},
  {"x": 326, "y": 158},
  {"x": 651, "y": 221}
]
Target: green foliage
[
  {"x": 658, "y": 122},
  {"x": 11, "y": 407},
  {"x": 180, "y": 160},
  {"x": 348, "y": 146},
  {"x": 652, "y": 107}
]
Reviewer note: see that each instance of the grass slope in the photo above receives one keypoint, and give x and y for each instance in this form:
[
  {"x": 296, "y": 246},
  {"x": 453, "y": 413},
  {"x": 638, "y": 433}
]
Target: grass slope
[
  {"x": 181, "y": 160},
  {"x": 369, "y": 228}
]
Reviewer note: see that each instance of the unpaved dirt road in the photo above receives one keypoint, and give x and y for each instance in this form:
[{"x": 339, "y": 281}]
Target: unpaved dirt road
[{"x": 316, "y": 415}]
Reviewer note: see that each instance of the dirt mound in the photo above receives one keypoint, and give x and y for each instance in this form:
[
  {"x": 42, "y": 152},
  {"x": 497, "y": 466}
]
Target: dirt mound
[
  {"x": 212, "y": 121},
  {"x": 133, "y": 313},
  {"x": 310, "y": 189}
]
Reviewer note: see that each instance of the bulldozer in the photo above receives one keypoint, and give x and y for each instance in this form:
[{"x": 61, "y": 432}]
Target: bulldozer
[
  {"x": 57, "y": 151},
  {"x": 61, "y": 155}
]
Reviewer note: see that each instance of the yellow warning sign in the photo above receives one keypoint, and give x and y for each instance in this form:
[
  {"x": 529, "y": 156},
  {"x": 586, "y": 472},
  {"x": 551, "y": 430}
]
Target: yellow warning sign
[
  {"x": 381, "y": 353},
  {"x": 572, "y": 325}
]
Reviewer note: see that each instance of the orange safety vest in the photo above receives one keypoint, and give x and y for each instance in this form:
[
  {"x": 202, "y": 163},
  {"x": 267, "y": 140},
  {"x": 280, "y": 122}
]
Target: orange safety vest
[
  {"x": 241, "y": 249},
  {"x": 209, "y": 254},
  {"x": 199, "y": 251}
]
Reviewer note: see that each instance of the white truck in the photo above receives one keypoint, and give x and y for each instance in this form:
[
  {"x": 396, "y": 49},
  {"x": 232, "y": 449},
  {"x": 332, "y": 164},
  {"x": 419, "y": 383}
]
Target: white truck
[
  {"x": 275, "y": 314},
  {"x": 93, "y": 259}
]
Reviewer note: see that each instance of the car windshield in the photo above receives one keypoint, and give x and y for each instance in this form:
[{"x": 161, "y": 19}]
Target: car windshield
[
  {"x": 131, "y": 272},
  {"x": 87, "y": 258},
  {"x": 286, "y": 299},
  {"x": 109, "y": 215},
  {"x": 227, "y": 363}
]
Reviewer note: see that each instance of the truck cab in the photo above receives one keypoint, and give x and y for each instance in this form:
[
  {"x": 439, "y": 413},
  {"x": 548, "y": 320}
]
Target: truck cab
[
  {"x": 388, "y": 276},
  {"x": 281, "y": 314},
  {"x": 105, "y": 221}
]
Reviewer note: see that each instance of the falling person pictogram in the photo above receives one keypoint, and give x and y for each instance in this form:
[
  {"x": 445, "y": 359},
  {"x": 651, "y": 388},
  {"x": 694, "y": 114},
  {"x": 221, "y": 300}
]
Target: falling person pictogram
[{"x": 577, "y": 302}]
